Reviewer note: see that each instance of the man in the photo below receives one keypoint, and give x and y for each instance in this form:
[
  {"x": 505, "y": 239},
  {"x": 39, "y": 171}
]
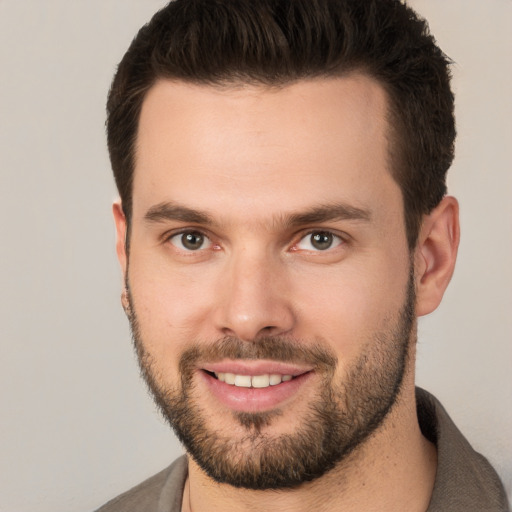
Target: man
[{"x": 283, "y": 222}]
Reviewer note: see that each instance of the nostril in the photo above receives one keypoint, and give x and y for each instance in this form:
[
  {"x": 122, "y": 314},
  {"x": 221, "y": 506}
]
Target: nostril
[{"x": 251, "y": 321}]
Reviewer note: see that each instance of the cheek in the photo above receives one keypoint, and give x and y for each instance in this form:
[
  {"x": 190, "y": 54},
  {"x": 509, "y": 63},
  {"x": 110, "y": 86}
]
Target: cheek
[
  {"x": 171, "y": 305},
  {"x": 354, "y": 304}
]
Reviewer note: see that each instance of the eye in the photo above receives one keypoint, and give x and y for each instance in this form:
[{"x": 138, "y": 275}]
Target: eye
[
  {"x": 190, "y": 241},
  {"x": 319, "y": 241}
]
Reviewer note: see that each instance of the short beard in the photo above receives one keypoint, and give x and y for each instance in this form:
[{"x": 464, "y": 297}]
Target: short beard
[{"x": 343, "y": 417}]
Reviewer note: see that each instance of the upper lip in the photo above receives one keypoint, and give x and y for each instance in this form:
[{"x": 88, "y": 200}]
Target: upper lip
[{"x": 261, "y": 367}]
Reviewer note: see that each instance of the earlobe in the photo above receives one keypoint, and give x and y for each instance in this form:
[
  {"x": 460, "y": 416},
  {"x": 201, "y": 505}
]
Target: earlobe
[
  {"x": 120, "y": 222},
  {"x": 125, "y": 302},
  {"x": 435, "y": 254}
]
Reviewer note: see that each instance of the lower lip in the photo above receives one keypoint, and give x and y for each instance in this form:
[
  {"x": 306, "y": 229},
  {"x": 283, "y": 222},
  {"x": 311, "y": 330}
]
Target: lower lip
[{"x": 254, "y": 399}]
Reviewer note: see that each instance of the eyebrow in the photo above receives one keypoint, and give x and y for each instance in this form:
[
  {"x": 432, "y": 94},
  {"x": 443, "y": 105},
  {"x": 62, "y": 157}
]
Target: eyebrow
[
  {"x": 328, "y": 212},
  {"x": 167, "y": 211},
  {"x": 171, "y": 211}
]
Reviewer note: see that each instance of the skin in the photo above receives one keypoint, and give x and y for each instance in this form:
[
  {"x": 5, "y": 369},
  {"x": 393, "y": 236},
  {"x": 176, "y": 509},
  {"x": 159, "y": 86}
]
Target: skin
[{"x": 250, "y": 158}]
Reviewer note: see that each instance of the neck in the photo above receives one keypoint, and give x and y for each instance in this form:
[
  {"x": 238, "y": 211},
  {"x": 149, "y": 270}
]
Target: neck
[{"x": 394, "y": 470}]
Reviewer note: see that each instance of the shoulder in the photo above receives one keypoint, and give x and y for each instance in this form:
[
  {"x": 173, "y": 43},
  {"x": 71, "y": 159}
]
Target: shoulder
[
  {"x": 165, "y": 489},
  {"x": 465, "y": 479}
]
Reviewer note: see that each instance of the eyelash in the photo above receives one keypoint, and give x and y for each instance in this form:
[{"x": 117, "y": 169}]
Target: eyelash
[
  {"x": 168, "y": 238},
  {"x": 341, "y": 240}
]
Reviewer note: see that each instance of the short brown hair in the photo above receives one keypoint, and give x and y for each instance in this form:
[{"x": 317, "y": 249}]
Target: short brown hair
[{"x": 275, "y": 42}]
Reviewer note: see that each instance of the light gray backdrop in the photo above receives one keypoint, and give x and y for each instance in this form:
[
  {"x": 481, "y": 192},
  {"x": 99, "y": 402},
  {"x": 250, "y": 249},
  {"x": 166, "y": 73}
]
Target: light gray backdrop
[{"x": 76, "y": 425}]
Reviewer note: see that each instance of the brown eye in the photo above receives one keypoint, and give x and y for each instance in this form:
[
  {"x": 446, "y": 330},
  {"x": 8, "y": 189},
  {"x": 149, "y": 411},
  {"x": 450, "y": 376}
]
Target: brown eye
[{"x": 190, "y": 241}]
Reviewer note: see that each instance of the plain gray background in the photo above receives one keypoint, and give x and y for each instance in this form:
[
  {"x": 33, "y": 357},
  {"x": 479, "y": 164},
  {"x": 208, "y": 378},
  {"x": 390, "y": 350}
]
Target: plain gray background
[{"x": 76, "y": 425}]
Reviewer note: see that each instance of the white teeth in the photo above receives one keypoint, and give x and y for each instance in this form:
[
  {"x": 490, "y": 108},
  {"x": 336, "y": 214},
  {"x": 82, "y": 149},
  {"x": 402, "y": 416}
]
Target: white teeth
[
  {"x": 229, "y": 378},
  {"x": 275, "y": 379},
  {"x": 243, "y": 381},
  {"x": 256, "y": 381},
  {"x": 261, "y": 381}
]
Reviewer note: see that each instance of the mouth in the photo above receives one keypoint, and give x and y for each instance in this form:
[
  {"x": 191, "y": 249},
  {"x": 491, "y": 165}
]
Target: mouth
[
  {"x": 252, "y": 381},
  {"x": 255, "y": 386}
]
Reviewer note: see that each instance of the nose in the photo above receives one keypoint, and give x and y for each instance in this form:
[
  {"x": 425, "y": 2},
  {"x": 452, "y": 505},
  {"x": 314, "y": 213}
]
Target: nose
[{"x": 254, "y": 299}]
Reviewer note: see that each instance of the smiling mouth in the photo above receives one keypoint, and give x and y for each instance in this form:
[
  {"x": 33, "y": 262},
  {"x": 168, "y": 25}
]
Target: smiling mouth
[{"x": 251, "y": 381}]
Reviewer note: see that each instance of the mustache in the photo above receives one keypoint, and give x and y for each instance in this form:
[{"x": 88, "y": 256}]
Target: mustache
[{"x": 274, "y": 348}]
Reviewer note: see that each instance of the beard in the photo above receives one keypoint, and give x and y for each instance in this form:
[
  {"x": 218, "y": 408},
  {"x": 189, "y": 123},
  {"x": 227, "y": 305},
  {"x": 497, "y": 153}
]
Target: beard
[{"x": 343, "y": 415}]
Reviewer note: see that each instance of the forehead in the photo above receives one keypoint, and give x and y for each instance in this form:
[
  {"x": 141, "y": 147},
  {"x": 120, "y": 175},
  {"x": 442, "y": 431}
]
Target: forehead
[{"x": 222, "y": 146}]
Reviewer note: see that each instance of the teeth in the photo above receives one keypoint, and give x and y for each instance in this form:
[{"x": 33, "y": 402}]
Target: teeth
[
  {"x": 256, "y": 381},
  {"x": 275, "y": 379},
  {"x": 229, "y": 378},
  {"x": 243, "y": 381},
  {"x": 261, "y": 381}
]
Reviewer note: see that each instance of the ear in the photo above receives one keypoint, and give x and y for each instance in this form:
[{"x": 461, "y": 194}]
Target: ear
[
  {"x": 120, "y": 221},
  {"x": 435, "y": 254}
]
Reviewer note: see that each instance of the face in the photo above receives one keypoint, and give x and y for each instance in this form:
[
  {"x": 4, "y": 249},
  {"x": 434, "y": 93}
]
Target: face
[{"x": 268, "y": 284}]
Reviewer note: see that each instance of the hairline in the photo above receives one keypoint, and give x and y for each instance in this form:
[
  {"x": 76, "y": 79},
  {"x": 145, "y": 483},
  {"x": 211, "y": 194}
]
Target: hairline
[{"x": 235, "y": 82}]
